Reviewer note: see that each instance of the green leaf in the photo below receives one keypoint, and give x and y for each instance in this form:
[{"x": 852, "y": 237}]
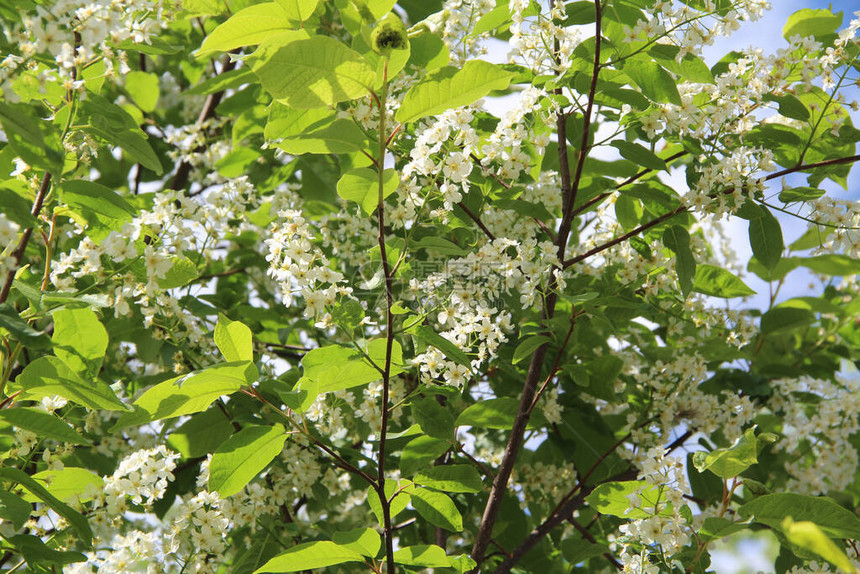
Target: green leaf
[
  {"x": 793, "y": 194},
  {"x": 75, "y": 518},
  {"x": 309, "y": 556},
  {"x": 639, "y": 154},
  {"x": 233, "y": 340},
  {"x": 812, "y": 22},
  {"x": 498, "y": 413},
  {"x": 656, "y": 83},
  {"x": 434, "y": 419},
  {"x": 628, "y": 211},
  {"x": 835, "y": 520},
  {"x": 613, "y": 498},
  {"x": 833, "y": 264},
  {"x": 422, "y": 556},
  {"x": 115, "y": 126},
  {"x": 430, "y": 337},
  {"x": 437, "y": 509},
  {"x": 451, "y": 478},
  {"x": 83, "y": 354},
  {"x": 14, "y": 509},
  {"x": 428, "y": 51},
  {"x": 450, "y": 88},
  {"x": 576, "y": 550},
  {"x": 35, "y": 551},
  {"x": 182, "y": 272},
  {"x": 781, "y": 319},
  {"x": 97, "y": 207},
  {"x": 766, "y": 238},
  {"x": 718, "y": 282},
  {"x": 143, "y": 87},
  {"x": 732, "y": 461},
  {"x": 316, "y": 72},
  {"x": 341, "y": 136},
  {"x": 201, "y": 434},
  {"x": 189, "y": 393},
  {"x": 335, "y": 368},
  {"x": 420, "y": 452},
  {"x": 21, "y": 330},
  {"x": 32, "y": 138},
  {"x": 361, "y": 185},
  {"x": 247, "y": 27},
  {"x": 69, "y": 484},
  {"x": 399, "y": 502},
  {"x": 365, "y": 541},
  {"x": 299, "y": 10},
  {"x": 244, "y": 455},
  {"x": 48, "y": 376},
  {"x": 677, "y": 239},
  {"x": 789, "y": 106},
  {"x": 809, "y": 536},
  {"x": 528, "y": 346},
  {"x": 43, "y": 424}
]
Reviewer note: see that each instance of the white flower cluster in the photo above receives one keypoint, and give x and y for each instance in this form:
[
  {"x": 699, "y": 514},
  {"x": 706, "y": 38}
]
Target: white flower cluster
[
  {"x": 8, "y": 234},
  {"x": 142, "y": 476},
  {"x": 825, "y": 458},
  {"x": 299, "y": 266},
  {"x": 530, "y": 38},
  {"x": 198, "y": 535},
  {"x": 193, "y": 145},
  {"x": 79, "y": 32},
  {"x": 134, "y": 552},
  {"x": 455, "y": 23},
  {"x": 543, "y": 482},
  {"x": 842, "y": 220},
  {"x": 503, "y": 152}
]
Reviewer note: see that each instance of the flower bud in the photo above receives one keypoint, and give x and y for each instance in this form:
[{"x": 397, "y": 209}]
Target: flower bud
[{"x": 389, "y": 33}]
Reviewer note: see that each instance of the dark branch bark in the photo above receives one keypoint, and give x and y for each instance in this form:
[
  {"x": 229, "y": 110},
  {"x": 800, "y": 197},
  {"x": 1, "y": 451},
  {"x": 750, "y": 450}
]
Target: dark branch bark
[{"x": 18, "y": 254}]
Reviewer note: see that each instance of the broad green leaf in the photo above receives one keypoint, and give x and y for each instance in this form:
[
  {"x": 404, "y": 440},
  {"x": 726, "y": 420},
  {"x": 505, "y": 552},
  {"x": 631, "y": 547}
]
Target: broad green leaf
[
  {"x": 182, "y": 272},
  {"x": 244, "y": 455},
  {"x": 201, "y": 434},
  {"x": 809, "y": 536},
  {"x": 812, "y": 22},
  {"x": 16, "y": 202},
  {"x": 80, "y": 340},
  {"x": 398, "y": 502},
  {"x": 341, "y": 136},
  {"x": 284, "y": 121},
  {"x": 32, "y": 138},
  {"x": 438, "y": 509},
  {"x": 223, "y": 81},
  {"x": 233, "y": 340},
  {"x": 43, "y": 424},
  {"x": 677, "y": 239},
  {"x": 656, "y": 83},
  {"x": 49, "y": 376},
  {"x": 131, "y": 141},
  {"x": 299, "y": 10},
  {"x": 97, "y": 208},
  {"x": 766, "y": 238},
  {"x": 718, "y": 282},
  {"x": 441, "y": 246},
  {"x": 35, "y": 551},
  {"x": 143, "y": 87},
  {"x": 462, "y": 563},
  {"x": 20, "y": 330},
  {"x": 450, "y": 88},
  {"x": 451, "y": 478},
  {"x": 309, "y": 556},
  {"x": 835, "y": 520},
  {"x": 69, "y": 484},
  {"x": 802, "y": 193},
  {"x": 435, "y": 420},
  {"x": 428, "y": 51},
  {"x": 789, "y": 106},
  {"x": 628, "y": 211},
  {"x": 430, "y": 337},
  {"x": 14, "y": 509},
  {"x": 247, "y": 27},
  {"x": 639, "y": 154},
  {"x": 335, "y": 368},
  {"x": 361, "y": 185},
  {"x": 528, "y": 346},
  {"x": 614, "y": 499},
  {"x": 365, "y": 541},
  {"x": 498, "y": 413},
  {"x": 576, "y": 550},
  {"x": 833, "y": 264},
  {"x": 422, "y": 556},
  {"x": 316, "y": 72},
  {"x": 781, "y": 319},
  {"x": 420, "y": 452},
  {"x": 75, "y": 518},
  {"x": 732, "y": 461},
  {"x": 189, "y": 393}
]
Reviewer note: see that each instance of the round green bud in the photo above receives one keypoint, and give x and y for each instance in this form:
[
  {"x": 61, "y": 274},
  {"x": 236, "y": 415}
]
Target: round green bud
[{"x": 389, "y": 33}]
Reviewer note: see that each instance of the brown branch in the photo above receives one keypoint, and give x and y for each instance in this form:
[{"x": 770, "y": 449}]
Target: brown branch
[
  {"x": 681, "y": 208},
  {"x": 18, "y": 254},
  {"x": 180, "y": 178},
  {"x": 477, "y": 221},
  {"x": 590, "y": 537}
]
